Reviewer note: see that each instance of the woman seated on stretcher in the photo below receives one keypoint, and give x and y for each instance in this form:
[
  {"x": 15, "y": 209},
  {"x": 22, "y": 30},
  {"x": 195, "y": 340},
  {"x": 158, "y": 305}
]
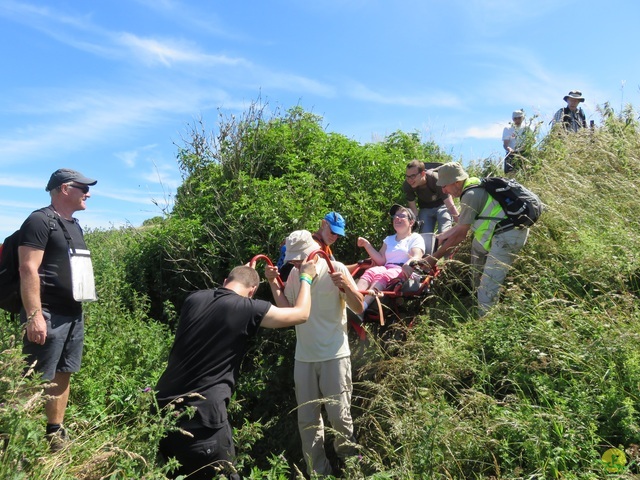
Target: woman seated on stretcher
[{"x": 395, "y": 255}]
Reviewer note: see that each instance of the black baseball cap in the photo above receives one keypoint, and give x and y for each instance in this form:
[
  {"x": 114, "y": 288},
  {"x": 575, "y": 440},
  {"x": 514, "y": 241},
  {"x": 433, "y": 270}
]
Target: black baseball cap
[{"x": 64, "y": 175}]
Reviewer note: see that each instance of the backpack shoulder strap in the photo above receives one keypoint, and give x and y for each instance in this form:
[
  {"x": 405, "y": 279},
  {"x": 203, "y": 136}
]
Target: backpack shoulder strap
[
  {"x": 54, "y": 221},
  {"x": 470, "y": 187}
]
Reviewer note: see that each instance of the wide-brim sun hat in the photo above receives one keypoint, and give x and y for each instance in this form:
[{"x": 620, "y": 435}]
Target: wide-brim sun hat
[
  {"x": 299, "y": 245},
  {"x": 576, "y": 94},
  {"x": 449, "y": 173}
]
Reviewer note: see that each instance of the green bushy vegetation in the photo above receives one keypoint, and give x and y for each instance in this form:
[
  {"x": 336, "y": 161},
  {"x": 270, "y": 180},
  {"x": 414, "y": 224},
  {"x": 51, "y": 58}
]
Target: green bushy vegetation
[{"x": 539, "y": 388}]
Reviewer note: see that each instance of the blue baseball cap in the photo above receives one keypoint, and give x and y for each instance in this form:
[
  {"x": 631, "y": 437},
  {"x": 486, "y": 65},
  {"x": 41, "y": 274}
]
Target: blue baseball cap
[{"x": 336, "y": 222}]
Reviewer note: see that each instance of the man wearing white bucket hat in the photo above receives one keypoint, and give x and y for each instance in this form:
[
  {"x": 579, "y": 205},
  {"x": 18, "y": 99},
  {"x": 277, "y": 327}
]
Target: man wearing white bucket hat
[
  {"x": 513, "y": 140},
  {"x": 322, "y": 371}
]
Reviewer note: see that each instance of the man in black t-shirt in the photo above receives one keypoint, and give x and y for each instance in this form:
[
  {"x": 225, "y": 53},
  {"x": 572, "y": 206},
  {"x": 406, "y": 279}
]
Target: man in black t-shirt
[
  {"x": 434, "y": 207},
  {"x": 211, "y": 341},
  {"x": 53, "y": 319}
]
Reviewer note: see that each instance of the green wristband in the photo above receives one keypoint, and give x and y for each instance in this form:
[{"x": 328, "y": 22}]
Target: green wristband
[{"x": 305, "y": 277}]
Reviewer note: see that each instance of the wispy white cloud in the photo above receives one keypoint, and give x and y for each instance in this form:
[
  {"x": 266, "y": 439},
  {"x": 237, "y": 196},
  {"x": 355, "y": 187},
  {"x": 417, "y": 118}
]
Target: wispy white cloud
[
  {"x": 164, "y": 174},
  {"x": 97, "y": 116},
  {"x": 439, "y": 99},
  {"x": 185, "y": 13},
  {"x": 169, "y": 52},
  {"x": 82, "y": 34},
  {"x": 132, "y": 196},
  {"x": 492, "y": 131},
  {"x": 23, "y": 181},
  {"x": 130, "y": 157},
  {"x": 262, "y": 77},
  {"x": 11, "y": 204},
  {"x": 488, "y": 17}
]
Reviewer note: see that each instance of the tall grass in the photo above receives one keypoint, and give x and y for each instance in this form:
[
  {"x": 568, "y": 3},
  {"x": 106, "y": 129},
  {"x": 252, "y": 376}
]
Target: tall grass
[{"x": 548, "y": 381}]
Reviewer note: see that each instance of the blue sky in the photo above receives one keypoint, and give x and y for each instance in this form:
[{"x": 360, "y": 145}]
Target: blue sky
[{"x": 108, "y": 87}]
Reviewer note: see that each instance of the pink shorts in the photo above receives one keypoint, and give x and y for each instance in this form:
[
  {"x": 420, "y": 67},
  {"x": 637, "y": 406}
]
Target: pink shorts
[{"x": 382, "y": 275}]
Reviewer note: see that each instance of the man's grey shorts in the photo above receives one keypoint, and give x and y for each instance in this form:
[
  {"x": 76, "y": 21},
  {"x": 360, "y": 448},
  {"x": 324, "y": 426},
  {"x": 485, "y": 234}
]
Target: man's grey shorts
[{"x": 62, "y": 351}]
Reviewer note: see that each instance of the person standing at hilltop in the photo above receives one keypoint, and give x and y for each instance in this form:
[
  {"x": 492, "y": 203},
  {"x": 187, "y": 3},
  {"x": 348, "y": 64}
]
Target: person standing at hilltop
[
  {"x": 571, "y": 117},
  {"x": 513, "y": 141}
]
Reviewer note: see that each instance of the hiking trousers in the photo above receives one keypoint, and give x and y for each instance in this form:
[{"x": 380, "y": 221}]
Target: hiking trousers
[
  {"x": 325, "y": 383},
  {"x": 490, "y": 268}
]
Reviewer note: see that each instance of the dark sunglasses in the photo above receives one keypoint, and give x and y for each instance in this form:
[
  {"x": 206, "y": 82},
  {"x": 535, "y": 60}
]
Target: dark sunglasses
[{"x": 83, "y": 188}]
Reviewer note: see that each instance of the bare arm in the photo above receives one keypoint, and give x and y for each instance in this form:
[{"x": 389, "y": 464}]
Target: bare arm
[
  {"x": 415, "y": 254},
  {"x": 451, "y": 207},
  {"x": 413, "y": 207},
  {"x": 281, "y": 301},
  {"x": 378, "y": 257},
  {"x": 278, "y": 293},
  {"x": 277, "y": 317},
  {"x": 353, "y": 297},
  {"x": 30, "y": 260}
]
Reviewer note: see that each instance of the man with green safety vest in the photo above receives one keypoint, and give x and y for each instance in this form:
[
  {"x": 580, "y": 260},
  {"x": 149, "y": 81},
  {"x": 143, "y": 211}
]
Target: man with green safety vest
[{"x": 496, "y": 242}]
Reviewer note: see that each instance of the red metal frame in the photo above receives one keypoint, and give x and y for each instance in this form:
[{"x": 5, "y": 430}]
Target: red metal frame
[{"x": 254, "y": 260}]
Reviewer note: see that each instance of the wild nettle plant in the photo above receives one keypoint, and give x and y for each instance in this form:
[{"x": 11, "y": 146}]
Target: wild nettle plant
[{"x": 21, "y": 404}]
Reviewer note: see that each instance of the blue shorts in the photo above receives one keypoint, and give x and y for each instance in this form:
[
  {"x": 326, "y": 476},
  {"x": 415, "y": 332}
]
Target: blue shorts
[{"x": 62, "y": 351}]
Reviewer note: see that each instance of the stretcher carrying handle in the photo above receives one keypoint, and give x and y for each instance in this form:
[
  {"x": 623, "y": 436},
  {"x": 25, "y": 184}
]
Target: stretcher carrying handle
[
  {"x": 268, "y": 261},
  {"x": 421, "y": 264},
  {"x": 323, "y": 254}
]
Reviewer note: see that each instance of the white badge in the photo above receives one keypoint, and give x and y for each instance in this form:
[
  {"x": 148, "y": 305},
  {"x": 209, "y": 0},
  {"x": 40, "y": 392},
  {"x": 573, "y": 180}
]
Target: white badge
[{"x": 84, "y": 287}]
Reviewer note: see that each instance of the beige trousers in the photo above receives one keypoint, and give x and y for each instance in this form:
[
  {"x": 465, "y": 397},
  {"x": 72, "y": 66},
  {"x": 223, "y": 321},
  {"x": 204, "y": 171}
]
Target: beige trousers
[{"x": 325, "y": 383}]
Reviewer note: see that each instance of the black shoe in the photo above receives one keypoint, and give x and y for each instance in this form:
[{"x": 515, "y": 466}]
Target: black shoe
[{"x": 58, "y": 440}]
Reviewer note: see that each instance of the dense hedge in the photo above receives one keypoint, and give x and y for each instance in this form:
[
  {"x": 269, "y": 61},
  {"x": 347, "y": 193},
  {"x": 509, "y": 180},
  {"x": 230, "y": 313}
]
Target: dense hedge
[{"x": 260, "y": 178}]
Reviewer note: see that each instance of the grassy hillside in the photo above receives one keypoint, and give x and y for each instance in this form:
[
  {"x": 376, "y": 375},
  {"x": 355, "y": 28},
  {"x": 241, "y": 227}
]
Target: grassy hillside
[{"x": 541, "y": 387}]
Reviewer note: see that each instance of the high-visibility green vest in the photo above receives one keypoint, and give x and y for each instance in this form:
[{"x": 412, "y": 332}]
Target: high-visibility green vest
[{"x": 485, "y": 223}]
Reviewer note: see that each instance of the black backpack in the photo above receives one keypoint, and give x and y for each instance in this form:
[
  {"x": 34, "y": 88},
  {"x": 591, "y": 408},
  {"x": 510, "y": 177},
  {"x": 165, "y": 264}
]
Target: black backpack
[
  {"x": 9, "y": 274},
  {"x": 521, "y": 205},
  {"x": 9, "y": 268}
]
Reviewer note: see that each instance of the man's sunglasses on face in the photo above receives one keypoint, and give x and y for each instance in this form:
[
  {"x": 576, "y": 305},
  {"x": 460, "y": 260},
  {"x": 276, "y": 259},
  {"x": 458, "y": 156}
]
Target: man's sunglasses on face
[{"x": 83, "y": 188}]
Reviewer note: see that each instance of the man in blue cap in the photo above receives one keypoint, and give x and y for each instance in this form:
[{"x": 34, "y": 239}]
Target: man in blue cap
[{"x": 331, "y": 227}]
